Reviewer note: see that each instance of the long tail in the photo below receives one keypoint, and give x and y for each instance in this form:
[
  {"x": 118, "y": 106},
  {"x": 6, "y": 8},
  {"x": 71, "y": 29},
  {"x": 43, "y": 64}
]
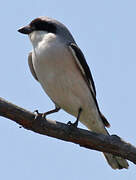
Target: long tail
[{"x": 116, "y": 162}]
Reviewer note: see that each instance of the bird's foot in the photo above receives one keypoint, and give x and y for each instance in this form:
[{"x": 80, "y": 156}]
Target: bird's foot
[
  {"x": 39, "y": 114},
  {"x": 43, "y": 115},
  {"x": 75, "y": 124}
]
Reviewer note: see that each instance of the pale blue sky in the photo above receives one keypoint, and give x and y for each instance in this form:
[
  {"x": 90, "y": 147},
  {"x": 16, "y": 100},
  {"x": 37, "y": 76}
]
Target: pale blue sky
[{"x": 106, "y": 33}]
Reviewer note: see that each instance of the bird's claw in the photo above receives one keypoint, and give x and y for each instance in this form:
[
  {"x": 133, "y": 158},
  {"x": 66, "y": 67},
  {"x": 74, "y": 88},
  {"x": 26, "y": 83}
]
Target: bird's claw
[
  {"x": 75, "y": 124},
  {"x": 39, "y": 114}
]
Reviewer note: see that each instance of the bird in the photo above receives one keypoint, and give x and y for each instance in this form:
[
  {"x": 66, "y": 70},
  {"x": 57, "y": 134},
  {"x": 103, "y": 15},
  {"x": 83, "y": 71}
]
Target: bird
[{"x": 59, "y": 65}]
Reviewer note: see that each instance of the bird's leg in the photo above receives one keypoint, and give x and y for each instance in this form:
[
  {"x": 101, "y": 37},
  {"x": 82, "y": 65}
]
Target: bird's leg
[
  {"x": 48, "y": 112},
  {"x": 75, "y": 124},
  {"x": 51, "y": 111}
]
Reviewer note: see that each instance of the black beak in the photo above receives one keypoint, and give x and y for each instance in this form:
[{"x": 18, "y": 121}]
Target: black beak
[{"x": 25, "y": 30}]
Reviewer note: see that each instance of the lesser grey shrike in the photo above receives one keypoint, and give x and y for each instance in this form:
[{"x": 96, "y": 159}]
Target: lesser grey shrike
[{"x": 59, "y": 65}]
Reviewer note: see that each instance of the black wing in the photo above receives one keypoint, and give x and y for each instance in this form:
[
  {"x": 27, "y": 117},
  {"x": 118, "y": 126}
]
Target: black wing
[{"x": 81, "y": 62}]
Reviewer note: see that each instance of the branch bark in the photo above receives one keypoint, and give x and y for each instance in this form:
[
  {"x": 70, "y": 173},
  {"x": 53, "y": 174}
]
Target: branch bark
[{"x": 104, "y": 143}]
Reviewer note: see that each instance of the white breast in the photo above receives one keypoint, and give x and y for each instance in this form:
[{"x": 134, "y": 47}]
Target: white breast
[{"x": 60, "y": 77}]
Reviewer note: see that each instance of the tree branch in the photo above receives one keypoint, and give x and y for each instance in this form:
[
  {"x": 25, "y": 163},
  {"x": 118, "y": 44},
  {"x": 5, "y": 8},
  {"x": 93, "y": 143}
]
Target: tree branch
[{"x": 104, "y": 143}]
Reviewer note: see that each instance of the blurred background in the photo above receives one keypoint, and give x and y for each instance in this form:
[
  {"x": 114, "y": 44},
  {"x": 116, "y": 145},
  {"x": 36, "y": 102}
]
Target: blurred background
[{"x": 106, "y": 33}]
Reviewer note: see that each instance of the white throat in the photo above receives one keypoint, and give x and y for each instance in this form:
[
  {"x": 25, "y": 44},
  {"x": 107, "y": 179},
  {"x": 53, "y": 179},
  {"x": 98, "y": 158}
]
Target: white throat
[{"x": 37, "y": 37}]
